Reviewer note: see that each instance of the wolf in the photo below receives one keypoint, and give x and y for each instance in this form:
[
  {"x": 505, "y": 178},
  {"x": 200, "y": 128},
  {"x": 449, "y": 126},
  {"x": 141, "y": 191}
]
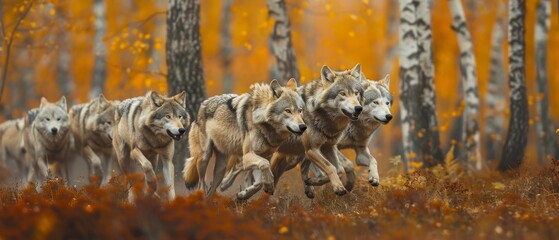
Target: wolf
[
  {"x": 11, "y": 137},
  {"x": 249, "y": 126},
  {"x": 331, "y": 103},
  {"x": 144, "y": 130},
  {"x": 92, "y": 129},
  {"x": 48, "y": 139},
  {"x": 376, "y": 112}
]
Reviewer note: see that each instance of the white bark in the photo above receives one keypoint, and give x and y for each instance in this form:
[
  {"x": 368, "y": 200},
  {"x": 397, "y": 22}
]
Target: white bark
[
  {"x": 470, "y": 126},
  {"x": 544, "y": 125},
  {"x": 495, "y": 96},
  {"x": 281, "y": 43},
  {"x": 517, "y": 136},
  {"x": 100, "y": 50}
]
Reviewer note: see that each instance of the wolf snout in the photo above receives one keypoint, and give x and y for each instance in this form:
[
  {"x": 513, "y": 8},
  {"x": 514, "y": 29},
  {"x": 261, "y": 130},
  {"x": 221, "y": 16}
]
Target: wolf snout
[
  {"x": 358, "y": 109},
  {"x": 302, "y": 127},
  {"x": 182, "y": 131},
  {"x": 388, "y": 117},
  {"x": 54, "y": 131}
]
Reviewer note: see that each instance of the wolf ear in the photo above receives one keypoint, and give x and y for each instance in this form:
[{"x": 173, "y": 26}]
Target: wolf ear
[
  {"x": 44, "y": 102},
  {"x": 155, "y": 98},
  {"x": 62, "y": 103},
  {"x": 326, "y": 74},
  {"x": 356, "y": 71},
  {"x": 385, "y": 81},
  {"x": 181, "y": 98},
  {"x": 276, "y": 88},
  {"x": 102, "y": 102},
  {"x": 291, "y": 84},
  {"x": 363, "y": 78}
]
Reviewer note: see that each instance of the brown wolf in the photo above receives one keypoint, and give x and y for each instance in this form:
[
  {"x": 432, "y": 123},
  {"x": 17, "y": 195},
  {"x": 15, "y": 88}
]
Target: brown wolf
[
  {"x": 249, "y": 126},
  {"x": 11, "y": 137},
  {"x": 144, "y": 130},
  {"x": 92, "y": 128}
]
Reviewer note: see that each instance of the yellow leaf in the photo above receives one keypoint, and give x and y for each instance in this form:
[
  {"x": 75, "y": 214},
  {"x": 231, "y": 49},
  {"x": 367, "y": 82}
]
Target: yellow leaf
[
  {"x": 52, "y": 11},
  {"x": 328, "y": 7},
  {"x": 283, "y": 230},
  {"x": 556, "y": 130},
  {"x": 498, "y": 185}
]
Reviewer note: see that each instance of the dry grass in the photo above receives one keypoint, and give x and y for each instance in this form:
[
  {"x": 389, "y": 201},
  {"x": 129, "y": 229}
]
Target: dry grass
[{"x": 425, "y": 204}]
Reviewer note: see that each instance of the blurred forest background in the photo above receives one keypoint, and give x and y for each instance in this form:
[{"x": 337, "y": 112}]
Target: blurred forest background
[{"x": 56, "y": 45}]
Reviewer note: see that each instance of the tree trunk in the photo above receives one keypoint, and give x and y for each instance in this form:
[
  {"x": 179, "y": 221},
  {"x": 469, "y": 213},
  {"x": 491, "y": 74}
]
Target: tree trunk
[
  {"x": 64, "y": 77},
  {"x": 517, "y": 136},
  {"x": 281, "y": 42},
  {"x": 427, "y": 119},
  {"x": 226, "y": 46},
  {"x": 544, "y": 126},
  {"x": 470, "y": 115},
  {"x": 392, "y": 51},
  {"x": 495, "y": 96},
  {"x": 409, "y": 82},
  {"x": 184, "y": 62},
  {"x": 100, "y": 50}
]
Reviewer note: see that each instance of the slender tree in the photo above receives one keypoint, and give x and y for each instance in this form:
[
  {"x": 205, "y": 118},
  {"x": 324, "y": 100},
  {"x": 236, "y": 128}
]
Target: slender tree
[
  {"x": 281, "y": 43},
  {"x": 226, "y": 46},
  {"x": 64, "y": 76},
  {"x": 544, "y": 125},
  {"x": 470, "y": 115},
  {"x": 495, "y": 96},
  {"x": 100, "y": 50},
  {"x": 409, "y": 81},
  {"x": 391, "y": 30},
  {"x": 184, "y": 61},
  {"x": 427, "y": 119},
  {"x": 517, "y": 136}
]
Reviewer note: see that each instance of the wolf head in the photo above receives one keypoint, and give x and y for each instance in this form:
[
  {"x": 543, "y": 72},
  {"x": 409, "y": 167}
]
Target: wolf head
[
  {"x": 342, "y": 90},
  {"x": 52, "y": 119},
  {"x": 377, "y": 100},
  {"x": 281, "y": 107},
  {"x": 104, "y": 116},
  {"x": 168, "y": 115}
]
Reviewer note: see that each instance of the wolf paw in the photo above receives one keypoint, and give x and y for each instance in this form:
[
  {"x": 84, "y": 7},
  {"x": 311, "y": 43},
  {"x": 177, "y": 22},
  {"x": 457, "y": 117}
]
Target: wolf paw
[
  {"x": 269, "y": 188},
  {"x": 374, "y": 182},
  {"x": 309, "y": 193},
  {"x": 340, "y": 191},
  {"x": 349, "y": 185}
]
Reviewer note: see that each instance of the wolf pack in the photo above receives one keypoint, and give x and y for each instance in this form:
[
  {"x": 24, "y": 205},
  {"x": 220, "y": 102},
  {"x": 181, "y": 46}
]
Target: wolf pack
[{"x": 265, "y": 132}]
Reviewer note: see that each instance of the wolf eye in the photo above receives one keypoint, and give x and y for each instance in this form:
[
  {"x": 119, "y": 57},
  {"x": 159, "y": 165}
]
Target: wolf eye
[
  {"x": 288, "y": 110},
  {"x": 300, "y": 110},
  {"x": 343, "y": 93},
  {"x": 180, "y": 116},
  {"x": 168, "y": 116},
  {"x": 48, "y": 119},
  {"x": 58, "y": 119},
  {"x": 356, "y": 92},
  {"x": 376, "y": 102},
  {"x": 387, "y": 103},
  {"x": 108, "y": 122}
]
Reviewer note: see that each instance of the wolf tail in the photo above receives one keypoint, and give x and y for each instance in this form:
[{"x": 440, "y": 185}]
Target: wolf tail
[{"x": 190, "y": 173}]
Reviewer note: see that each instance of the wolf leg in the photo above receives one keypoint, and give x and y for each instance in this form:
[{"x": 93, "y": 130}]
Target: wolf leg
[
  {"x": 203, "y": 164},
  {"x": 365, "y": 158},
  {"x": 252, "y": 161},
  {"x": 324, "y": 162},
  {"x": 348, "y": 168},
  {"x": 219, "y": 172},
  {"x": 146, "y": 166},
  {"x": 309, "y": 189},
  {"x": 94, "y": 163},
  {"x": 169, "y": 175},
  {"x": 231, "y": 175},
  {"x": 256, "y": 176}
]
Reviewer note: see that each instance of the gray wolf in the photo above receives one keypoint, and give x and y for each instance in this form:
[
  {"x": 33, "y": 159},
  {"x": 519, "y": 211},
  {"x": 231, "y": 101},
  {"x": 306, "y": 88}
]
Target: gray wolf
[
  {"x": 48, "y": 139},
  {"x": 143, "y": 134},
  {"x": 377, "y": 101},
  {"x": 332, "y": 102},
  {"x": 92, "y": 129},
  {"x": 11, "y": 137},
  {"x": 249, "y": 126}
]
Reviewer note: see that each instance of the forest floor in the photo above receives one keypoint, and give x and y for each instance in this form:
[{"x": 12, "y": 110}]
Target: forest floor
[{"x": 440, "y": 203}]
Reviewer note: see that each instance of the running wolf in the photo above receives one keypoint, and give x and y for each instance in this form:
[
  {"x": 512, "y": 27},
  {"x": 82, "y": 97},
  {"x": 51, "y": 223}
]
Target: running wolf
[
  {"x": 376, "y": 112},
  {"x": 144, "y": 130},
  {"x": 249, "y": 126},
  {"x": 92, "y": 128},
  {"x": 332, "y": 102},
  {"x": 48, "y": 139},
  {"x": 11, "y": 137}
]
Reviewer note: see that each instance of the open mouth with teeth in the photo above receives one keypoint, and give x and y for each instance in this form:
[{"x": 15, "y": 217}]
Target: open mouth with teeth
[
  {"x": 352, "y": 116},
  {"x": 299, "y": 133},
  {"x": 381, "y": 121},
  {"x": 174, "y": 136}
]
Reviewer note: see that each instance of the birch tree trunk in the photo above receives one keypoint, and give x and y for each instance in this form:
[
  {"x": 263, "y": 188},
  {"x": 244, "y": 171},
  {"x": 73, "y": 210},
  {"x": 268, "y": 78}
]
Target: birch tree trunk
[
  {"x": 184, "y": 62},
  {"x": 470, "y": 115},
  {"x": 544, "y": 125},
  {"x": 409, "y": 81},
  {"x": 226, "y": 46},
  {"x": 281, "y": 43},
  {"x": 495, "y": 96},
  {"x": 427, "y": 119},
  {"x": 517, "y": 136},
  {"x": 100, "y": 50}
]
